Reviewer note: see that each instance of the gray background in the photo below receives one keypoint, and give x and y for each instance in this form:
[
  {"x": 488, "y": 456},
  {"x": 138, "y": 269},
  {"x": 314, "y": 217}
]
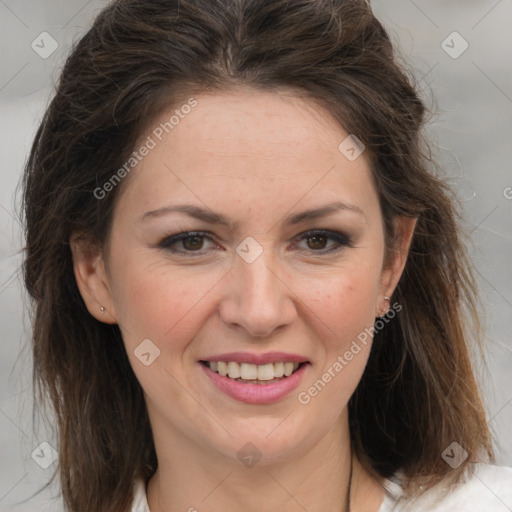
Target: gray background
[{"x": 472, "y": 98}]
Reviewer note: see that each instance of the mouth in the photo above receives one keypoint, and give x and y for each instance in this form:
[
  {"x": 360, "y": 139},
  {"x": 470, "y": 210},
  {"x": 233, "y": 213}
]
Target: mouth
[
  {"x": 255, "y": 378},
  {"x": 249, "y": 373}
]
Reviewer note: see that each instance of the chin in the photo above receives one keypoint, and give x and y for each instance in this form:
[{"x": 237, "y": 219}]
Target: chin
[{"x": 266, "y": 441}]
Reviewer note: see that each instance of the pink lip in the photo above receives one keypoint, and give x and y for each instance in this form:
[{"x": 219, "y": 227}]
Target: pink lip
[
  {"x": 268, "y": 357},
  {"x": 255, "y": 393}
]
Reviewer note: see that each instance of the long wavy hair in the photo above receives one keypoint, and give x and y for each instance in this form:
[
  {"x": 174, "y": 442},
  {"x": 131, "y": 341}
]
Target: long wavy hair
[{"x": 418, "y": 392}]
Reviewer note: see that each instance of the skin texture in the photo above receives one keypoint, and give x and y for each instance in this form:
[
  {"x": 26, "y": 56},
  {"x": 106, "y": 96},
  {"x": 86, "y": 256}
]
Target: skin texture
[{"x": 255, "y": 157}]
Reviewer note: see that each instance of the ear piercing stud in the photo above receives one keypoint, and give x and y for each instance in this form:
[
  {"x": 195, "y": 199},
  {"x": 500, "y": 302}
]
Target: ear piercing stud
[
  {"x": 102, "y": 309},
  {"x": 389, "y": 300}
]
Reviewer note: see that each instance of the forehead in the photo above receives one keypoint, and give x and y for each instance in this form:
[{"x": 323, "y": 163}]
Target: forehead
[{"x": 265, "y": 148}]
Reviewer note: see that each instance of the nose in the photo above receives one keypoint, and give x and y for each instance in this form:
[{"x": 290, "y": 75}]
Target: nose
[{"x": 259, "y": 297}]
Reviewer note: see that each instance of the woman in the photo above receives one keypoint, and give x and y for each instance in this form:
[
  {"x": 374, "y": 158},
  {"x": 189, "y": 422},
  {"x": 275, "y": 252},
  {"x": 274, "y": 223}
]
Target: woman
[{"x": 250, "y": 289}]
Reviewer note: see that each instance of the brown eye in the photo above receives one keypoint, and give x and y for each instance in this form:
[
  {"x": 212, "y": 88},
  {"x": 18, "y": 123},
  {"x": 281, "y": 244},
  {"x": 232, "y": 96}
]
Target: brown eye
[
  {"x": 188, "y": 242},
  {"x": 318, "y": 242},
  {"x": 323, "y": 241},
  {"x": 193, "y": 243}
]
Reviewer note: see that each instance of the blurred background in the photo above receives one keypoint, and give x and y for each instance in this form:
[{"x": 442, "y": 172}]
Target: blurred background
[{"x": 460, "y": 52}]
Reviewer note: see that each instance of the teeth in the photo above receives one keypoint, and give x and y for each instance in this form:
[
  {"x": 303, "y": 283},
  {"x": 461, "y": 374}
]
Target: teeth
[
  {"x": 233, "y": 370},
  {"x": 246, "y": 371},
  {"x": 222, "y": 368},
  {"x": 266, "y": 371},
  {"x": 278, "y": 370}
]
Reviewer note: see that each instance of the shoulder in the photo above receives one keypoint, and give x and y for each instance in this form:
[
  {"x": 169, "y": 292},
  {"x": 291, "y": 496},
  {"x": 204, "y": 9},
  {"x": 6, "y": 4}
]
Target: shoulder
[
  {"x": 488, "y": 488},
  {"x": 140, "y": 503}
]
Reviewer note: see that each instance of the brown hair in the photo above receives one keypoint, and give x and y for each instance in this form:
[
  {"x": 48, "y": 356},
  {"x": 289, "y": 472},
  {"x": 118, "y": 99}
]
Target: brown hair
[{"x": 418, "y": 393}]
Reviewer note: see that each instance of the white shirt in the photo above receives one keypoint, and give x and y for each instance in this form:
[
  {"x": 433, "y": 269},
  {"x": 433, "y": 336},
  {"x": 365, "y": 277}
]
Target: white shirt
[{"x": 488, "y": 490}]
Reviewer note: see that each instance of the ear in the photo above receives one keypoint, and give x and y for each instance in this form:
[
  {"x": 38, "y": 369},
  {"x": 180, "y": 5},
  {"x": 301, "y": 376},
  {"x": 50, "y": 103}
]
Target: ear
[
  {"x": 397, "y": 257},
  {"x": 91, "y": 277}
]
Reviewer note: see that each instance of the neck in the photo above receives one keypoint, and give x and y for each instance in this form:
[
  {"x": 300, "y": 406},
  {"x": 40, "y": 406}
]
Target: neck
[{"x": 190, "y": 477}]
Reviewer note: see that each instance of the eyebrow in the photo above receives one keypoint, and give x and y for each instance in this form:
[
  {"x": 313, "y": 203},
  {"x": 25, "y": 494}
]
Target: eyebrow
[{"x": 211, "y": 217}]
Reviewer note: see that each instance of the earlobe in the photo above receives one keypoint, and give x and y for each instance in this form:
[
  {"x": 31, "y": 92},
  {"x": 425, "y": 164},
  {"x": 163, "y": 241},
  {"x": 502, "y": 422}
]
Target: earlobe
[
  {"x": 91, "y": 278},
  {"x": 385, "y": 308}
]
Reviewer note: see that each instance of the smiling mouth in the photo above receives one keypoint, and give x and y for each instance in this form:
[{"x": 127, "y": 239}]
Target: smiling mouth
[{"x": 253, "y": 373}]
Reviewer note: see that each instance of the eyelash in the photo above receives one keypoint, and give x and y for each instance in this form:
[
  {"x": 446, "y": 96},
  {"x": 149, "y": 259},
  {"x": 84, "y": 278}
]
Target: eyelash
[{"x": 341, "y": 239}]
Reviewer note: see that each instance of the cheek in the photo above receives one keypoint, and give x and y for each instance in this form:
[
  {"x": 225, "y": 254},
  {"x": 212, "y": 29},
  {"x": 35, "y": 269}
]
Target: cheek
[
  {"x": 343, "y": 300},
  {"x": 159, "y": 302},
  {"x": 344, "y": 308}
]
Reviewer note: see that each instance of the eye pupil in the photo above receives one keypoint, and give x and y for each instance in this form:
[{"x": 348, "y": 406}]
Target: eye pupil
[
  {"x": 316, "y": 238},
  {"x": 196, "y": 244}
]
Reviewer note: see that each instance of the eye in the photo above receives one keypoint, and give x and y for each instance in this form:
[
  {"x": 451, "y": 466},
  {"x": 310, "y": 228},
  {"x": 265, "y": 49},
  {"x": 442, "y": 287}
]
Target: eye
[
  {"x": 191, "y": 241},
  {"x": 317, "y": 241}
]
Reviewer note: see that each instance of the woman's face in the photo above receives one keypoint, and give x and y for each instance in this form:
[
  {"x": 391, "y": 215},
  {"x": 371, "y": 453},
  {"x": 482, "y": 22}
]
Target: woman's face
[{"x": 255, "y": 285}]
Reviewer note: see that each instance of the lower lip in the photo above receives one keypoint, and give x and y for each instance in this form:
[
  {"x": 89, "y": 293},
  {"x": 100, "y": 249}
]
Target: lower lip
[{"x": 256, "y": 393}]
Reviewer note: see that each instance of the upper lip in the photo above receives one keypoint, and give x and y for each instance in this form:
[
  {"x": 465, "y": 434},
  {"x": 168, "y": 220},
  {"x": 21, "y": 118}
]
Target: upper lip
[{"x": 251, "y": 358}]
